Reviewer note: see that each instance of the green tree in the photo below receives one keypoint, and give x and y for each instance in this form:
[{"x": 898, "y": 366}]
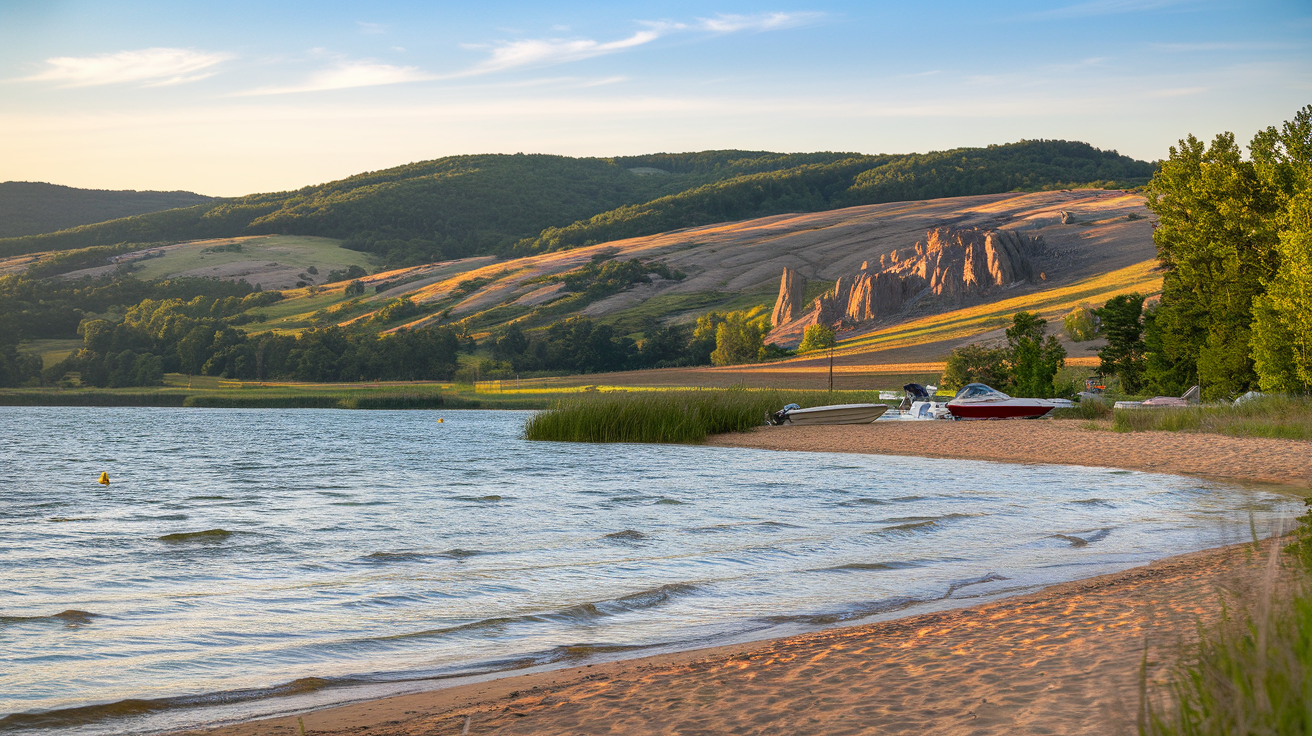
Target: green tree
[
  {"x": 1034, "y": 359},
  {"x": 1282, "y": 317},
  {"x": 816, "y": 337},
  {"x": 976, "y": 364},
  {"x": 1216, "y": 239},
  {"x": 740, "y": 338},
  {"x": 1080, "y": 323},
  {"x": 1123, "y": 356}
]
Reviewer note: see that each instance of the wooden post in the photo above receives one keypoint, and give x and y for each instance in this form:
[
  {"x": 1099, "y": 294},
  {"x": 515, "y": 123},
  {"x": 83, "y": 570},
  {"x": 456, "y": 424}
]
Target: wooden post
[{"x": 831, "y": 367}]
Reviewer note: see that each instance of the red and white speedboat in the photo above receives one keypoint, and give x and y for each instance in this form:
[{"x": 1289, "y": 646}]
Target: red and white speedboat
[{"x": 977, "y": 401}]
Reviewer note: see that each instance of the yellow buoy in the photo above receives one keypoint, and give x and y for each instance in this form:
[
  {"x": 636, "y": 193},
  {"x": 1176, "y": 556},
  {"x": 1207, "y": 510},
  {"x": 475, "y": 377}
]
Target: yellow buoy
[
  {"x": 439, "y": 421},
  {"x": 104, "y": 479}
]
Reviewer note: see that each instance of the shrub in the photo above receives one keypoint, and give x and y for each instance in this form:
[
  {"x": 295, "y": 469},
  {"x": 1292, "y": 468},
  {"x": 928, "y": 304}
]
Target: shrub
[
  {"x": 817, "y": 337},
  {"x": 1081, "y": 324}
]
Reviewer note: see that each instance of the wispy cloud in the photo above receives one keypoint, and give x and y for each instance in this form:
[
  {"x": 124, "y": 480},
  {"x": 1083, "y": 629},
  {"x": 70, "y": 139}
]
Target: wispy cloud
[
  {"x": 728, "y": 23},
  {"x": 544, "y": 52},
  {"x": 1106, "y": 7},
  {"x": 348, "y": 74},
  {"x": 539, "y": 52},
  {"x": 155, "y": 67},
  {"x": 371, "y": 29}
]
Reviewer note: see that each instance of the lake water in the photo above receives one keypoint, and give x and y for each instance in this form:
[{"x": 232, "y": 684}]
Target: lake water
[{"x": 248, "y": 562}]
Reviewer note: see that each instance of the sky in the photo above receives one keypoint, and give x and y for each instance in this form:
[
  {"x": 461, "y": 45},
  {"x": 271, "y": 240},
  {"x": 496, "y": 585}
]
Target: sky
[{"x": 236, "y": 97}]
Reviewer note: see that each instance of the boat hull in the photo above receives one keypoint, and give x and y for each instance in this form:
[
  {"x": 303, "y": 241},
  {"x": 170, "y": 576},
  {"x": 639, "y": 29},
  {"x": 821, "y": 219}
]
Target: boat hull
[
  {"x": 1010, "y": 409},
  {"x": 837, "y": 414}
]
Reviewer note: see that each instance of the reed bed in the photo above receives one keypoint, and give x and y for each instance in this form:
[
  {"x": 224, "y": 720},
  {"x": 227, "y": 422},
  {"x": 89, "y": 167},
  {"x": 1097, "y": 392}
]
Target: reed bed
[
  {"x": 1283, "y": 417},
  {"x": 671, "y": 416},
  {"x": 1251, "y": 674}
]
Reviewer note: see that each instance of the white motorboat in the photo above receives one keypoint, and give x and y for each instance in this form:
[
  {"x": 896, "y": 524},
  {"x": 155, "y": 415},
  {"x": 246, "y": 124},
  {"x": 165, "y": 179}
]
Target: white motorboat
[
  {"x": 835, "y": 414},
  {"x": 919, "y": 404}
]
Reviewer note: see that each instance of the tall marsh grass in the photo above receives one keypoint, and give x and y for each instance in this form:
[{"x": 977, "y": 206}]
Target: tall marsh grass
[
  {"x": 671, "y": 416},
  {"x": 1252, "y": 673},
  {"x": 1284, "y": 417}
]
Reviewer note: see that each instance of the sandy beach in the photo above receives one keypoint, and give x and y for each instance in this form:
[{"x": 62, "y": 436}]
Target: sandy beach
[{"x": 1063, "y": 660}]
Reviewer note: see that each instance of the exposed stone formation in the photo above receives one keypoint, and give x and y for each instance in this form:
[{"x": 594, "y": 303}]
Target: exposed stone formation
[
  {"x": 948, "y": 263},
  {"x": 792, "y": 289}
]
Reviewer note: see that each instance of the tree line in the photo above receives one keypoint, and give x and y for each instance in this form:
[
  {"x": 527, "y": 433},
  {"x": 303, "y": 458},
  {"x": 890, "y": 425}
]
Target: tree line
[{"x": 197, "y": 337}]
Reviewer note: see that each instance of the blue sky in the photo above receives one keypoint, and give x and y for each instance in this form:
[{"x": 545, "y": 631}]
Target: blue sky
[{"x": 229, "y": 98}]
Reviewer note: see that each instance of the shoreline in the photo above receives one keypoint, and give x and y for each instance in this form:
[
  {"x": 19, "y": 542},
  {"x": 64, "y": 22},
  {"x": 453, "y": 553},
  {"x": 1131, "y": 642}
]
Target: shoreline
[
  {"x": 1050, "y": 441},
  {"x": 1065, "y": 658},
  {"x": 1062, "y": 659}
]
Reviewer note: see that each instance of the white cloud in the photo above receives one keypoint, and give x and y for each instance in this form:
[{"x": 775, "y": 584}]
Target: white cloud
[
  {"x": 728, "y": 23},
  {"x": 155, "y": 67},
  {"x": 544, "y": 52},
  {"x": 371, "y": 29},
  {"x": 348, "y": 74},
  {"x": 547, "y": 51}
]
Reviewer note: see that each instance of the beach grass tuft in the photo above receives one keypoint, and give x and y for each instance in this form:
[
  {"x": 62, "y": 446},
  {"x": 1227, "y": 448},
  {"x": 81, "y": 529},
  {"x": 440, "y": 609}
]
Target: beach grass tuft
[
  {"x": 1283, "y": 417},
  {"x": 1252, "y": 673},
  {"x": 671, "y": 416},
  {"x": 1089, "y": 409}
]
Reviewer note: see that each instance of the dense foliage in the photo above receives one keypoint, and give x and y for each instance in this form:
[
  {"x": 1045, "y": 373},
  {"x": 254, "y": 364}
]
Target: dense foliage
[
  {"x": 42, "y": 309},
  {"x": 31, "y": 208},
  {"x": 816, "y": 337},
  {"x": 1027, "y": 366},
  {"x": 197, "y": 337},
  {"x": 465, "y": 205},
  {"x": 1123, "y": 356},
  {"x": 1235, "y": 236},
  {"x": 578, "y": 345}
]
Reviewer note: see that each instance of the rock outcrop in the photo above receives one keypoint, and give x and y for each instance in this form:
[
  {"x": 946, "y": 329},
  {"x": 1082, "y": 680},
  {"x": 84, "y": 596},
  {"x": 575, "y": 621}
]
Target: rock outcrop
[
  {"x": 949, "y": 264},
  {"x": 788, "y": 306}
]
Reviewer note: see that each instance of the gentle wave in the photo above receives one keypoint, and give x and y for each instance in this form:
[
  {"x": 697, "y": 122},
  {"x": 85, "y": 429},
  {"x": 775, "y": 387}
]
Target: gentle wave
[
  {"x": 581, "y": 613},
  {"x": 869, "y": 566},
  {"x": 628, "y": 535},
  {"x": 209, "y": 535},
  {"x": 1082, "y": 541},
  {"x": 83, "y": 715},
  {"x": 884, "y": 605},
  {"x": 70, "y": 617},
  {"x": 418, "y": 556}
]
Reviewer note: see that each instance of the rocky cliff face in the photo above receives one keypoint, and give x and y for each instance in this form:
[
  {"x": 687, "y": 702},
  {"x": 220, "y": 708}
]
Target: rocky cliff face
[
  {"x": 788, "y": 306},
  {"x": 948, "y": 264}
]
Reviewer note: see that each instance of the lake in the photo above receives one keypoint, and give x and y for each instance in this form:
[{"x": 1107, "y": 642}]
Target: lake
[{"x": 250, "y": 562}]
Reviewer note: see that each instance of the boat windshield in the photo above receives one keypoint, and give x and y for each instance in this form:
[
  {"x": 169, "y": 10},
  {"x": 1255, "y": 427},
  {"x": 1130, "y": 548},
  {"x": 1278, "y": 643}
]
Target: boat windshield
[{"x": 980, "y": 391}]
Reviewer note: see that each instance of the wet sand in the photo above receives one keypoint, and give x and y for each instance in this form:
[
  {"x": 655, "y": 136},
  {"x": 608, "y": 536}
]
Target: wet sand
[
  {"x": 1060, "y": 441},
  {"x": 1063, "y": 660}
]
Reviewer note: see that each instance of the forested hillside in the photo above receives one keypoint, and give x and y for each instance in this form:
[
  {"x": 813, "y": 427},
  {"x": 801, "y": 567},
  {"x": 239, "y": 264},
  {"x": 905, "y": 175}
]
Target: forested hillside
[
  {"x": 856, "y": 180},
  {"x": 31, "y": 208},
  {"x": 467, "y": 205}
]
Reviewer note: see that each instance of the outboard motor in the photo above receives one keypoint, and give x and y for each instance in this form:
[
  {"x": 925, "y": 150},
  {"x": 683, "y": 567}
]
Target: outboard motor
[
  {"x": 781, "y": 416},
  {"x": 915, "y": 392}
]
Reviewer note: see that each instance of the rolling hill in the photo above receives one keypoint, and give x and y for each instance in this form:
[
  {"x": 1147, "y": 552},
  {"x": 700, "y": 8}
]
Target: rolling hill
[
  {"x": 465, "y": 206},
  {"x": 1099, "y": 243},
  {"x": 32, "y": 208}
]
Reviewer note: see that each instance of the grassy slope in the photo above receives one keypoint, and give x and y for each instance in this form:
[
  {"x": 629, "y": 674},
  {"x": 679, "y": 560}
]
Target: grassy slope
[{"x": 301, "y": 251}]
